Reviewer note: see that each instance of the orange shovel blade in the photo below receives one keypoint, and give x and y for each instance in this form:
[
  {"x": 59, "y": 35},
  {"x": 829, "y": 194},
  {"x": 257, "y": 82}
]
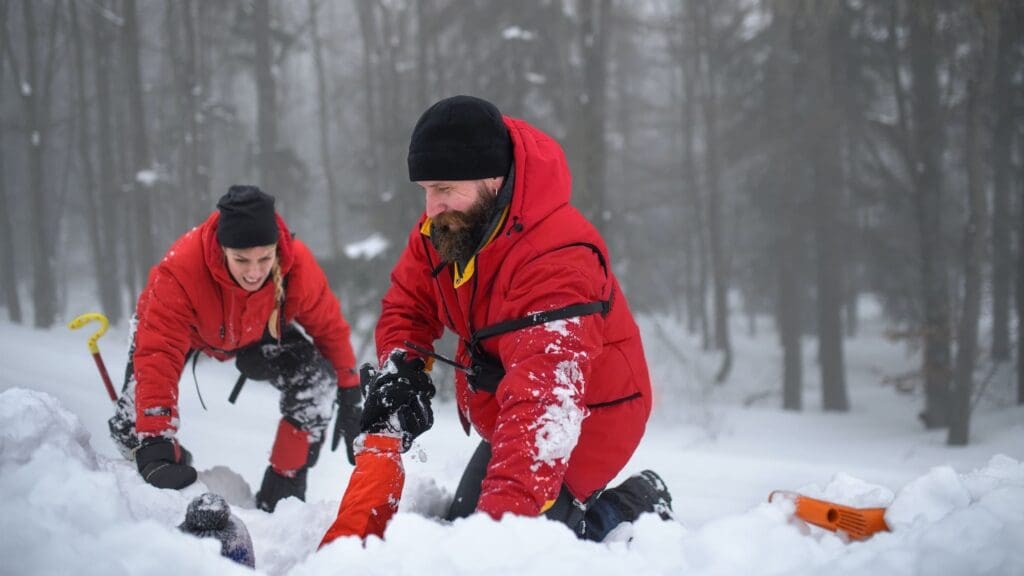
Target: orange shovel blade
[{"x": 858, "y": 523}]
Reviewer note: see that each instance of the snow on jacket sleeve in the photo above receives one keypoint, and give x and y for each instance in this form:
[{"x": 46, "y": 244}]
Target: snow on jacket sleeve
[
  {"x": 541, "y": 407},
  {"x": 162, "y": 340},
  {"x": 319, "y": 313},
  {"x": 409, "y": 309}
]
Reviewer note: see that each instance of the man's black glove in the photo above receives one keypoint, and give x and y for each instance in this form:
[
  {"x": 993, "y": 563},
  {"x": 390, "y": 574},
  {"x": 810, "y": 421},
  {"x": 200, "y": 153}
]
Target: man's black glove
[
  {"x": 398, "y": 398},
  {"x": 164, "y": 464},
  {"x": 346, "y": 423}
]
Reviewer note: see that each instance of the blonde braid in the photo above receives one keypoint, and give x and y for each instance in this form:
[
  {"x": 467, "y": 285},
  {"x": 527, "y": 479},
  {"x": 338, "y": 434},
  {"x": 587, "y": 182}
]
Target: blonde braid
[{"x": 273, "y": 325}]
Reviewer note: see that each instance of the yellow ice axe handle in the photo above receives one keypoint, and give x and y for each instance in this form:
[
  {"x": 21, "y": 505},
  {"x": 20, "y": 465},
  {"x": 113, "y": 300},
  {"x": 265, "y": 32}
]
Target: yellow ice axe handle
[{"x": 84, "y": 319}]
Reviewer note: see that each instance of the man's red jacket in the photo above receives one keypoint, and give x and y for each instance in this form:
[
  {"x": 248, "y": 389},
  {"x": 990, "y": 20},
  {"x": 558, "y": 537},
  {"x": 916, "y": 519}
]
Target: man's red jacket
[
  {"x": 576, "y": 396},
  {"x": 191, "y": 302}
]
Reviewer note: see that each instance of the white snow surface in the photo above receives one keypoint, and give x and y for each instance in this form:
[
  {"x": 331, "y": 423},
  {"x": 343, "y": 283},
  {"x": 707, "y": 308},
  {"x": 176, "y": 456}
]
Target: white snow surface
[
  {"x": 367, "y": 248},
  {"x": 147, "y": 177},
  {"x": 71, "y": 504},
  {"x": 517, "y": 33}
]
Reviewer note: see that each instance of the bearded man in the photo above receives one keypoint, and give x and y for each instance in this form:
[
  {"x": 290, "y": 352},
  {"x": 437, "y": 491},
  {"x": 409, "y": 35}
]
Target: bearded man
[{"x": 552, "y": 373}]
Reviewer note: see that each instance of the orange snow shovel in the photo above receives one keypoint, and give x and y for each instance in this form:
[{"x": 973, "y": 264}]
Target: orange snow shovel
[
  {"x": 84, "y": 319},
  {"x": 857, "y": 523}
]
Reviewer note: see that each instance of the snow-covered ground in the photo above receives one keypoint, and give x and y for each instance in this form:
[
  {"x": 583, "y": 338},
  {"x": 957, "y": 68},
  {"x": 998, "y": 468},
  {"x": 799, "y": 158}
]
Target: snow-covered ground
[{"x": 70, "y": 504}]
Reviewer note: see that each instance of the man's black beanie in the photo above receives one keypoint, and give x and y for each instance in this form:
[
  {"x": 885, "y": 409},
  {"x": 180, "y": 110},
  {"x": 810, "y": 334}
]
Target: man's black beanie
[
  {"x": 246, "y": 218},
  {"x": 460, "y": 138}
]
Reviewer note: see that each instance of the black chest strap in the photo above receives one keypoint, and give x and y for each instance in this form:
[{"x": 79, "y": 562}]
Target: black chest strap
[{"x": 571, "y": 311}]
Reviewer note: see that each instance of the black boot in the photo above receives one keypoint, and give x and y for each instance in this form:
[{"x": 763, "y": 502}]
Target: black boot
[
  {"x": 640, "y": 493},
  {"x": 277, "y": 487},
  {"x": 643, "y": 492}
]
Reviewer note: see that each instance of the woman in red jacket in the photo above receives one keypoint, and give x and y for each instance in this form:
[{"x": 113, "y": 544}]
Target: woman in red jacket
[
  {"x": 239, "y": 285},
  {"x": 554, "y": 377}
]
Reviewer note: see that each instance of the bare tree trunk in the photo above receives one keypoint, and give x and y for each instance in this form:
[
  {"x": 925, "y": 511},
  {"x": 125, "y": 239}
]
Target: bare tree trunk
[
  {"x": 141, "y": 161},
  {"x": 699, "y": 193},
  {"x": 266, "y": 98},
  {"x": 387, "y": 138},
  {"x": 44, "y": 295},
  {"x": 173, "y": 141},
  {"x": 1002, "y": 144},
  {"x": 927, "y": 175},
  {"x": 371, "y": 56},
  {"x": 198, "y": 181},
  {"x": 978, "y": 100},
  {"x": 595, "y": 29},
  {"x": 1019, "y": 174},
  {"x": 424, "y": 34},
  {"x": 691, "y": 197},
  {"x": 324, "y": 122},
  {"x": 10, "y": 281},
  {"x": 393, "y": 135},
  {"x": 1020, "y": 287},
  {"x": 826, "y": 77},
  {"x": 830, "y": 325},
  {"x": 719, "y": 273},
  {"x": 109, "y": 190},
  {"x": 124, "y": 170},
  {"x": 786, "y": 201},
  {"x": 689, "y": 54},
  {"x": 106, "y": 286},
  {"x": 789, "y": 326},
  {"x": 851, "y": 130},
  {"x": 207, "y": 40},
  {"x": 10, "y": 277}
]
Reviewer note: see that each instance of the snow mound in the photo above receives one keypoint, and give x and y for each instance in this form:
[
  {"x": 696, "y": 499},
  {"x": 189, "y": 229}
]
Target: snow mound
[
  {"x": 68, "y": 510},
  {"x": 30, "y": 420}
]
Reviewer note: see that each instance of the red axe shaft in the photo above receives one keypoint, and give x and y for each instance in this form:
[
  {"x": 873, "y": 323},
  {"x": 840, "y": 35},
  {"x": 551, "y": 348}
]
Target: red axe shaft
[{"x": 106, "y": 376}]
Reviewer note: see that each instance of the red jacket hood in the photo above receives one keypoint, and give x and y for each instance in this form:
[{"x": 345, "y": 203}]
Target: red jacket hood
[
  {"x": 214, "y": 255},
  {"x": 542, "y": 179}
]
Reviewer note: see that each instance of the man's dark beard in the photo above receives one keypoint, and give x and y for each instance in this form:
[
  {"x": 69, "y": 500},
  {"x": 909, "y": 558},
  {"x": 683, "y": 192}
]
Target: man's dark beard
[{"x": 457, "y": 235}]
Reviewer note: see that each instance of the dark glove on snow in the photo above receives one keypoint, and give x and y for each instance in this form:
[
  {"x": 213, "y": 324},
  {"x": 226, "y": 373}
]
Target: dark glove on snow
[
  {"x": 164, "y": 464},
  {"x": 277, "y": 487},
  {"x": 346, "y": 423},
  {"x": 398, "y": 398}
]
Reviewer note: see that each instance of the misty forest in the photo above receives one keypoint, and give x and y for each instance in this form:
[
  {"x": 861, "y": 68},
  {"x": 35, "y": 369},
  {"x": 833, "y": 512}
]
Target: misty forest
[{"x": 764, "y": 167}]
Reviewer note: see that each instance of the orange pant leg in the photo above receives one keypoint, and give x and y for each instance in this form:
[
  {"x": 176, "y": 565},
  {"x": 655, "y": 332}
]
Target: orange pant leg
[{"x": 373, "y": 492}]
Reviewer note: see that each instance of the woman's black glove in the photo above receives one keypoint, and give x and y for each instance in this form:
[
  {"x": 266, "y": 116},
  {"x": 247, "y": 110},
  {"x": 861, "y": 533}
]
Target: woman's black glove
[
  {"x": 347, "y": 420},
  {"x": 398, "y": 398},
  {"x": 251, "y": 362},
  {"x": 270, "y": 358},
  {"x": 164, "y": 464}
]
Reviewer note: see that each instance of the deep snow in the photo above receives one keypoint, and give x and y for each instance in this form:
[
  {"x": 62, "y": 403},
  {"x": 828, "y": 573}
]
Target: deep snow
[{"x": 71, "y": 504}]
